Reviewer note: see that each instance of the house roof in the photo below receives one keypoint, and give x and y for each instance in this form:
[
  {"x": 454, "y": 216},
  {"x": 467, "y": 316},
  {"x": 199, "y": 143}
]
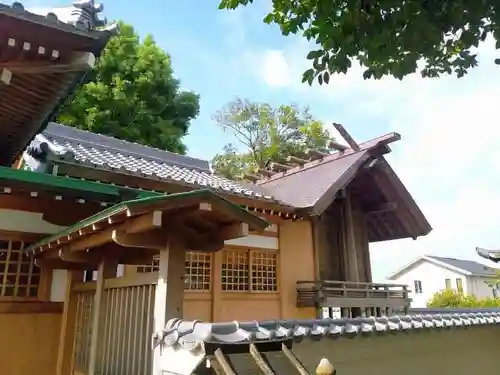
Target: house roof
[
  {"x": 465, "y": 267},
  {"x": 325, "y": 177},
  {"x": 66, "y": 145},
  {"x": 45, "y": 56}
]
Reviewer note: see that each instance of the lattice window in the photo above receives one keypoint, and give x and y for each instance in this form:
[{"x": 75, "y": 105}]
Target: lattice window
[
  {"x": 198, "y": 271},
  {"x": 249, "y": 270},
  {"x": 198, "y": 274},
  {"x": 18, "y": 275},
  {"x": 235, "y": 270},
  {"x": 264, "y": 265},
  {"x": 152, "y": 268}
]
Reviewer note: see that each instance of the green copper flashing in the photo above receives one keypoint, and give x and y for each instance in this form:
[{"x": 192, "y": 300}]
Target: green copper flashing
[{"x": 68, "y": 183}]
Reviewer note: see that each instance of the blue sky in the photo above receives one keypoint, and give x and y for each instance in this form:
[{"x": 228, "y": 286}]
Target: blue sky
[{"x": 448, "y": 157}]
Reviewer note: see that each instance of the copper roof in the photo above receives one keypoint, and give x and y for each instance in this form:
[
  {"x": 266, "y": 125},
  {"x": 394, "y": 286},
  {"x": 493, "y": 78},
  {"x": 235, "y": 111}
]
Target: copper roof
[
  {"x": 37, "y": 66},
  {"x": 306, "y": 186}
]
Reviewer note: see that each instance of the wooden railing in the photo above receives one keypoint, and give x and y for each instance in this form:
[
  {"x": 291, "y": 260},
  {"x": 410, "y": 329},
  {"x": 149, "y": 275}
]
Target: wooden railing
[
  {"x": 349, "y": 294},
  {"x": 127, "y": 325}
]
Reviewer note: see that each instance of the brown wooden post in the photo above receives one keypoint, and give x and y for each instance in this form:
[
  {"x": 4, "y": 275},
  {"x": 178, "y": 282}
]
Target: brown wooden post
[
  {"x": 169, "y": 294},
  {"x": 351, "y": 240},
  {"x": 106, "y": 269},
  {"x": 217, "y": 285},
  {"x": 67, "y": 333}
]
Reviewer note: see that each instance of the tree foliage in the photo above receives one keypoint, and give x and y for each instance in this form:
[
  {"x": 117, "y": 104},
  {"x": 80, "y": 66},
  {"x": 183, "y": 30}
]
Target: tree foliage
[
  {"x": 267, "y": 134},
  {"x": 133, "y": 95},
  {"x": 387, "y": 37},
  {"x": 451, "y": 298}
]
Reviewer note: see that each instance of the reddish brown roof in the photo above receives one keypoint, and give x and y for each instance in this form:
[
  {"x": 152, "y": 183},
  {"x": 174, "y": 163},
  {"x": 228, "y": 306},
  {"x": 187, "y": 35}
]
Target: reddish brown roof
[
  {"x": 313, "y": 187},
  {"x": 306, "y": 186}
]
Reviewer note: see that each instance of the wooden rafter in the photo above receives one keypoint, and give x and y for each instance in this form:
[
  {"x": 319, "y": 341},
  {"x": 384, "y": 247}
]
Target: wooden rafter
[
  {"x": 139, "y": 224},
  {"x": 260, "y": 360},
  {"x": 294, "y": 360},
  {"x": 224, "y": 362},
  {"x": 5, "y": 76},
  {"x": 347, "y": 137},
  {"x": 76, "y": 62}
]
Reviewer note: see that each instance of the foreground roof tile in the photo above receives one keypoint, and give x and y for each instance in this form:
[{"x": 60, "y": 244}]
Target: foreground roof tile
[{"x": 189, "y": 334}]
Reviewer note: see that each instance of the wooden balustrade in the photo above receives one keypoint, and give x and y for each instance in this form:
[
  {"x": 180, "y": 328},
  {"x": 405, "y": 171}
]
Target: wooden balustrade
[{"x": 351, "y": 294}]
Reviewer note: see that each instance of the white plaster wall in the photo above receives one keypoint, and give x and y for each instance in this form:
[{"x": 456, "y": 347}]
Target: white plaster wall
[
  {"x": 477, "y": 286},
  {"x": 433, "y": 280},
  {"x": 29, "y": 222},
  {"x": 58, "y": 286}
]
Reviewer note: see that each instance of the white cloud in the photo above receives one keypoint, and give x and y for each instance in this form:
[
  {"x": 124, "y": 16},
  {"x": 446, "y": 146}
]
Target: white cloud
[
  {"x": 449, "y": 157},
  {"x": 275, "y": 69}
]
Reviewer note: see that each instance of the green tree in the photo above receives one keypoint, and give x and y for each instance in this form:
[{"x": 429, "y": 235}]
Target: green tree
[
  {"x": 387, "y": 37},
  {"x": 494, "y": 282},
  {"x": 267, "y": 134},
  {"x": 133, "y": 95},
  {"x": 451, "y": 298}
]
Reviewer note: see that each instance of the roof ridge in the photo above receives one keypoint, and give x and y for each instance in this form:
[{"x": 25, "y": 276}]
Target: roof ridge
[
  {"x": 125, "y": 142},
  {"x": 364, "y": 146}
]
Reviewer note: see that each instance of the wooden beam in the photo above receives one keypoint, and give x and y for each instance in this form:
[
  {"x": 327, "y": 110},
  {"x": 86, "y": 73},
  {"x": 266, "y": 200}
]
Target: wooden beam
[
  {"x": 224, "y": 363},
  {"x": 261, "y": 362},
  {"x": 135, "y": 225},
  {"x": 229, "y": 232},
  {"x": 146, "y": 240},
  {"x": 386, "y": 207},
  {"x": 296, "y": 160},
  {"x": 5, "y": 76},
  {"x": 294, "y": 360},
  {"x": 96, "y": 315},
  {"x": 347, "y": 137},
  {"x": 59, "y": 264},
  {"x": 80, "y": 257},
  {"x": 67, "y": 332},
  {"x": 76, "y": 62},
  {"x": 338, "y": 146}
]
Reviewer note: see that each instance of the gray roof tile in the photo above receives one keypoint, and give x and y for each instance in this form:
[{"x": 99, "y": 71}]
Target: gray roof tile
[
  {"x": 190, "y": 334},
  {"x": 82, "y": 15},
  {"x": 471, "y": 266},
  {"x": 67, "y": 144}
]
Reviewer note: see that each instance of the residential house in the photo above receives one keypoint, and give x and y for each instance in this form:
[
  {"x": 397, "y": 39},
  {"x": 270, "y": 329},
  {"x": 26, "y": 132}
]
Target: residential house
[{"x": 429, "y": 274}]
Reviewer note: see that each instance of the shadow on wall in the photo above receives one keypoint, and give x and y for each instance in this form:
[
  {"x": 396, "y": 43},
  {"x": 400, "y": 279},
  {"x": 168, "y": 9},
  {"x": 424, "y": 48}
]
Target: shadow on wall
[{"x": 456, "y": 351}]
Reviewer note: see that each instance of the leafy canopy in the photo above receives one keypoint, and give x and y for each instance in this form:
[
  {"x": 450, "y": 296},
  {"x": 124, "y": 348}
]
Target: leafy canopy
[
  {"x": 387, "y": 37},
  {"x": 451, "y": 298},
  {"x": 133, "y": 95},
  {"x": 267, "y": 134}
]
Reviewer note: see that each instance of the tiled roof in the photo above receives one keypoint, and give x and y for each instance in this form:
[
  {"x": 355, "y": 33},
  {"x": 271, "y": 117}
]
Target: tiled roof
[
  {"x": 304, "y": 186},
  {"x": 471, "y": 266},
  {"x": 66, "y": 144},
  {"x": 190, "y": 334},
  {"x": 82, "y": 15},
  {"x": 493, "y": 255}
]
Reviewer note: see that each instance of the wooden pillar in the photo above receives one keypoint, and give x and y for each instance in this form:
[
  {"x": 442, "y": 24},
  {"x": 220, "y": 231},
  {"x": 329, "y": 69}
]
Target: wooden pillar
[
  {"x": 169, "y": 294},
  {"x": 106, "y": 269},
  {"x": 67, "y": 333},
  {"x": 350, "y": 248},
  {"x": 217, "y": 285}
]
